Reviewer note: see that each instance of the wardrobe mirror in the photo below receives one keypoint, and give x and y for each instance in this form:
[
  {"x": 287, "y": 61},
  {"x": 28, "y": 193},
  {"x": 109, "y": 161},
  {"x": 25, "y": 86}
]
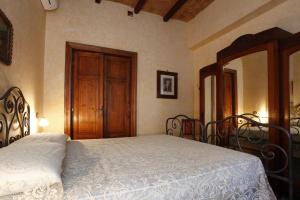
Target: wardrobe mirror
[
  {"x": 294, "y": 82},
  {"x": 210, "y": 99},
  {"x": 208, "y": 93},
  {"x": 246, "y": 86},
  {"x": 210, "y": 103}
]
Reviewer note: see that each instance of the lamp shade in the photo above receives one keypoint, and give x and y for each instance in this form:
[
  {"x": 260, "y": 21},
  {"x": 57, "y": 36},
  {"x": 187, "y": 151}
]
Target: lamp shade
[{"x": 43, "y": 122}]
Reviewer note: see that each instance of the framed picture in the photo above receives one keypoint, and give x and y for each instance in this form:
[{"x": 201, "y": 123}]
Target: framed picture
[
  {"x": 6, "y": 39},
  {"x": 167, "y": 84}
]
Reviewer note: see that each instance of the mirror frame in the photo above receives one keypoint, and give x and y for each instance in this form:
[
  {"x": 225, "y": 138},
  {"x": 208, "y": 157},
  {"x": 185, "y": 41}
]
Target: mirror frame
[
  {"x": 267, "y": 40},
  {"x": 288, "y": 47},
  {"x": 7, "y": 56},
  {"x": 210, "y": 70}
]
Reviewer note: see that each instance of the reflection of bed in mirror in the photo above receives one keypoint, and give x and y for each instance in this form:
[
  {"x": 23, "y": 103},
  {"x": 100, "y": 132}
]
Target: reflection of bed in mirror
[
  {"x": 295, "y": 128},
  {"x": 295, "y": 119},
  {"x": 255, "y": 131},
  {"x": 245, "y": 90},
  {"x": 260, "y": 134}
]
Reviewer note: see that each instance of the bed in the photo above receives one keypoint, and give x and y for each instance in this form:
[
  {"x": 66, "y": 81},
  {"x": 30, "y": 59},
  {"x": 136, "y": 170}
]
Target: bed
[{"x": 46, "y": 166}]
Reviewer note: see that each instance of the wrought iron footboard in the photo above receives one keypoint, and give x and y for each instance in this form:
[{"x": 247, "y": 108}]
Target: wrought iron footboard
[
  {"x": 184, "y": 126},
  {"x": 247, "y": 135}
]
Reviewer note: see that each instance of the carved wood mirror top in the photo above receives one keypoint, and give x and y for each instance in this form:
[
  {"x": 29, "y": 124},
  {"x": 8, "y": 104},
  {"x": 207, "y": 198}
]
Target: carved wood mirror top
[{"x": 264, "y": 43}]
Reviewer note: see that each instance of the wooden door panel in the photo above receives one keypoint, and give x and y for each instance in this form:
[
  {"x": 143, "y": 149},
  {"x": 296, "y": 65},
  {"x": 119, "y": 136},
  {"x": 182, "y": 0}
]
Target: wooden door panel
[
  {"x": 117, "y": 122},
  {"x": 118, "y": 68},
  {"x": 88, "y": 64},
  {"x": 88, "y": 95},
  {"x": 117, "y": 96},
  {"x": 88, "y": 125},
  {"x": 230, "y": 92}
]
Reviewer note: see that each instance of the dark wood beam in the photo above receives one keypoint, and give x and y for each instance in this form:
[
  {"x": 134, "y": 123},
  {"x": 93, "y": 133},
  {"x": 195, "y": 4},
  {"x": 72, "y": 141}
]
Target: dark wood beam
[
  {"x": 174, "y": 9},
  {"x": 139, "y": 6},
  {"x": 97, "y": 1}
]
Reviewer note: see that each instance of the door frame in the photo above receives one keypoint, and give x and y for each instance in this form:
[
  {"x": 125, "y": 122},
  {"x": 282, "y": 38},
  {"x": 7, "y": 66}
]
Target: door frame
[
  {"x": 233, "y": 72},
  {"x": 70, "y": 48}
]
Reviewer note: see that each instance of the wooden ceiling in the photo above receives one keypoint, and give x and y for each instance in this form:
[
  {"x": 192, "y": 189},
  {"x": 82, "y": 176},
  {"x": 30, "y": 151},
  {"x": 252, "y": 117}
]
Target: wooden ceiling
[{"x": 183, "y": 10}]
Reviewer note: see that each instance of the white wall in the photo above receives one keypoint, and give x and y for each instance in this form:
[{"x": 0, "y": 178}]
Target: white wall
[
  {"x": 26, "y": 71},
  {"x": 217, "y": 16},
  {"x": 160, "y": 46}
]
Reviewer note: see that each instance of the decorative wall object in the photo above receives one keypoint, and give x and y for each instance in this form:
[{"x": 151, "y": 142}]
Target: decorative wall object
[
  {"x": 167, "y": 84},
  {"x": 6, "y": 39}
]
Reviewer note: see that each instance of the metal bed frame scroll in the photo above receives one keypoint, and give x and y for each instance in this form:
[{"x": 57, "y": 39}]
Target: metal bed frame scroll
[
  {"x": 180, "y": 125},
  {"x": 14, "y": 117},
  {"x": 233, "y": 132}
]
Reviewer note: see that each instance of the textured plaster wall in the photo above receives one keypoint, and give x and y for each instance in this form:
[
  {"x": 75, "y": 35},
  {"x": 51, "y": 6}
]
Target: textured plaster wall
[
  {"x": 217, "y": 16},
  {"x": 285, "y": 16},
  {"x": 160, "y": 46},
  {"x": 26, "y": 71}
]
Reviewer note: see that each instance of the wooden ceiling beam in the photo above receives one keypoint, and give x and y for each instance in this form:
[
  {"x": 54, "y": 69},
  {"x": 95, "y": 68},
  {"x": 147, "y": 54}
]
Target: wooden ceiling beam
[
  {"x": 139, "y": 6},
  {"x": 174, "y": 9}
]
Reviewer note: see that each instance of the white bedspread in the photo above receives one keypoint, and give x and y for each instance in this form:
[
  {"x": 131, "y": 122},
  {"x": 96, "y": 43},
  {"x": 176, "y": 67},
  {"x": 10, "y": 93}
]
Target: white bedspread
[{"x": 161, "y": 167}]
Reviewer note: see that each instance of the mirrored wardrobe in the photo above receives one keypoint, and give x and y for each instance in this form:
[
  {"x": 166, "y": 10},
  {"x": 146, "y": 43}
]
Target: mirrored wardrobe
[{"x": 257, "y": 76}]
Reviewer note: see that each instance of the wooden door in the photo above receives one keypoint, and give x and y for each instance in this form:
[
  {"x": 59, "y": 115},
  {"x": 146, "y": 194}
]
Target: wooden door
[
  {"x": 88, "y": 95},
  {"x": 117, "y": 96},
  {"x": 100, "y": 92},
  {"x": 230, "y": 92}
]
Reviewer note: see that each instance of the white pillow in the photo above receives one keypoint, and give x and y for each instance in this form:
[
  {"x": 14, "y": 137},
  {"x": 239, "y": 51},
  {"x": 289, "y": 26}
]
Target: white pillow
[
  {"x": 30, "y": 166},
  {"x": 59, "y": 138}
]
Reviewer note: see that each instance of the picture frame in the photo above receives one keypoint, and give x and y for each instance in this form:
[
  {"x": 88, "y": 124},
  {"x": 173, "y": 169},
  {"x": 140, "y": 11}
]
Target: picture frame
[
  {"x": 167, "y": 85},
  {"x": 6, "y": 39}
]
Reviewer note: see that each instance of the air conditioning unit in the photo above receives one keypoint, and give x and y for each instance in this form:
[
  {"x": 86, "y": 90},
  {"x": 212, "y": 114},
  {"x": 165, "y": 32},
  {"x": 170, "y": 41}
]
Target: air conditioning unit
[{"x": 50, "y": 4}]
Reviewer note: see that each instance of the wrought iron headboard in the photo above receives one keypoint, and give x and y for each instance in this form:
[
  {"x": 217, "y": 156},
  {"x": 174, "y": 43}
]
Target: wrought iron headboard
[
  {"x": 295, "y": 111},
  {"x": 234, "y": 132},
  {"x": 252, "y": 116},
  {"x": 295, "y": 125},
  {"x": 177, "y": 126},
  {"x": 14, "y": 116}
]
